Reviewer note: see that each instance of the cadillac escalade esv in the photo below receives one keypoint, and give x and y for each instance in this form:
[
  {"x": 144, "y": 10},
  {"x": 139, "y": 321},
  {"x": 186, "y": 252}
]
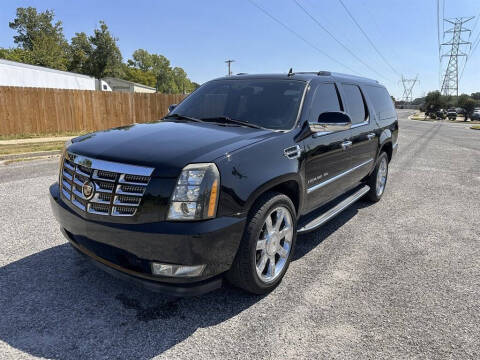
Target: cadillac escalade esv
[{"x": 220, "y": 187}]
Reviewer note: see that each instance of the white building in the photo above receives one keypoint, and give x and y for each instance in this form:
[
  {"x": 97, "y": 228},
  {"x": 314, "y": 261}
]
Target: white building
[
  {"x": 127, "y": 86},
  {"x": 24, "y": 75}
]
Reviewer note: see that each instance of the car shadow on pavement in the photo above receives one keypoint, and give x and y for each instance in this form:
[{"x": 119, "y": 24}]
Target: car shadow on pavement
[
  {"x": 56, "y": 304},
  {"x": 309, "y": 241}
]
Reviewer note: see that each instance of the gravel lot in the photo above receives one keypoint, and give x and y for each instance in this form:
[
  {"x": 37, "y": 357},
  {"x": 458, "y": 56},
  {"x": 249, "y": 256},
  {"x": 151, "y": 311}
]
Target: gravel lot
[{"x": 400, "y": 278}]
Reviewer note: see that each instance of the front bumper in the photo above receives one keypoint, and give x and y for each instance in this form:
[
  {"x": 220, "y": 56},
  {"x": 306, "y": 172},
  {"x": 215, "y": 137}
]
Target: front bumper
[{"x": 127, "y": 250}]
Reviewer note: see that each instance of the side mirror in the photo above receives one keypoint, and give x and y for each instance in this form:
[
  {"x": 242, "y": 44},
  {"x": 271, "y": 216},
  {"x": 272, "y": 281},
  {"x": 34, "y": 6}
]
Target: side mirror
[
  {"x": 171, "y": 107},
  {"x": 331, "y": 121}
]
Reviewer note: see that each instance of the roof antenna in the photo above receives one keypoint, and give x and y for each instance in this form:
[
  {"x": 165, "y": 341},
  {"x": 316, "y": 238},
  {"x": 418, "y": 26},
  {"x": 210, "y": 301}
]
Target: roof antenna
[{"x": 290, "y": 72}]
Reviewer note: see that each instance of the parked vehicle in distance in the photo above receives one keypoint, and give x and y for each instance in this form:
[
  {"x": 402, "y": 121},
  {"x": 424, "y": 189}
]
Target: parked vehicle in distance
[
  {"x": 460, "y": 111},
  {"x": 452, "y": 114},
  {"x": 476, "y": 114},
  {"x": 222, "y": 186},
  {"x": 439, "y": 114}
]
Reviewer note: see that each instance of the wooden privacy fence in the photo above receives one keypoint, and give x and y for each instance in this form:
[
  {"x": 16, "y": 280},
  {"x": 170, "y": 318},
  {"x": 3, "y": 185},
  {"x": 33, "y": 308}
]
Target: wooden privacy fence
[{"x": 49, "y": 111}]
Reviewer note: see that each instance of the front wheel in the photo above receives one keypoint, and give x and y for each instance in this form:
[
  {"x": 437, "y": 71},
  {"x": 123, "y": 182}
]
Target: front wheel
[
  {"x": 267, "y": 245},
  {"x": 378, "y": 178}
]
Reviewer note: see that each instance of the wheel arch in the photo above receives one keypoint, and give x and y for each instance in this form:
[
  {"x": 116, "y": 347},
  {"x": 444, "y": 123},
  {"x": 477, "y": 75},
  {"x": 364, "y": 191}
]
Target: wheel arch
[
  {"x": 386, "y": 144},
  {"x": 288, "y": 185}
]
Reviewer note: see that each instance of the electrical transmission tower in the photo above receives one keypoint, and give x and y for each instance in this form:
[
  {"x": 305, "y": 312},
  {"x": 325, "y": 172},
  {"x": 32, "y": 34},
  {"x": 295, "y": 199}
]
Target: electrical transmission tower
[
  {"x": 229, "y": 62},
  {"x": 455, "y": 50},
  {"x": 408, "y": 85}
]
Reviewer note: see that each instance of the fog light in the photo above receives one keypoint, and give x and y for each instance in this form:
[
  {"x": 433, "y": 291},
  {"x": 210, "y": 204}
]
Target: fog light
[{"x": 176, "y": 270}]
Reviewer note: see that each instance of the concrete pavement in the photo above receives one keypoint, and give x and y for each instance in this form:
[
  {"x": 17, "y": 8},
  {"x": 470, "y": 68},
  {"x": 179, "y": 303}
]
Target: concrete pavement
[{"x": 397, "y": 279}]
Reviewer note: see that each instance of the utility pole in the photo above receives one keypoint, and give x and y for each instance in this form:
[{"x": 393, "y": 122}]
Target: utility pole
[
  {"x": 455, "y": 46},
  {"x": 408, "y": 85},
  {"x": 229, "y": 62}
]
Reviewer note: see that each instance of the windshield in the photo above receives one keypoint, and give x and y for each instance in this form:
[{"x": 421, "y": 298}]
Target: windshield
[{"x": 272, "y": 104}]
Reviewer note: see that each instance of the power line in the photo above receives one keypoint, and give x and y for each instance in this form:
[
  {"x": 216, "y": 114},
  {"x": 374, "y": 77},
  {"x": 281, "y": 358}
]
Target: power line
[
  {"x": 368, "y": 38},
  {"x": 443, "y": 15},
  {"x": 473, "y": 47},
  {"x": 476, "y": 23},
  {"x": 300, "y": 36},
  {"x": 438, "y": 27},
  {"x": 338, "y": 41}
]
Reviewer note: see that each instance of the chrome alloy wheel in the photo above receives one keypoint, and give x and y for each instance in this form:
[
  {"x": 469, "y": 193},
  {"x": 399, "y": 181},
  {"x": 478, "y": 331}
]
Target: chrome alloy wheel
[
  {"x": 274, "y": 244},
  {"x": 382, "y": 176}
]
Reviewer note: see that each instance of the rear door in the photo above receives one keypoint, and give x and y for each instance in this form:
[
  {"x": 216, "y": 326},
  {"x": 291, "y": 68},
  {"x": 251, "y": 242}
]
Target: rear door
[
  {"x": 362, "y": 134},
  {"x": 326, "y": 160}
]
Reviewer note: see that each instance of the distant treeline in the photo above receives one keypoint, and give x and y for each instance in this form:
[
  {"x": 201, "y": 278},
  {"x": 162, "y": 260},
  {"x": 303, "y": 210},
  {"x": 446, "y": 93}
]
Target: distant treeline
[
  {"x": 40, "y": 41},
  {"x": 435, "y": 101}
]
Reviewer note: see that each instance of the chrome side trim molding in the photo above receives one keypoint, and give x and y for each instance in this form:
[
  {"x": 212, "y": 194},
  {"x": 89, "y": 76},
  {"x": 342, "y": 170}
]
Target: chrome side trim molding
[
  {"x": 322, "y": 219},
  {"x": 336, "y": 177},
  {"x": 322, "y": 133},
  {"x": 363, "y": 123}
]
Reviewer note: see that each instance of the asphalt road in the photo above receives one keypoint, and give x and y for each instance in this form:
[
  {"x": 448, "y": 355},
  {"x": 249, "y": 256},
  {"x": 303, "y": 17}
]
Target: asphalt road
[{"x": 400, "y": 278}]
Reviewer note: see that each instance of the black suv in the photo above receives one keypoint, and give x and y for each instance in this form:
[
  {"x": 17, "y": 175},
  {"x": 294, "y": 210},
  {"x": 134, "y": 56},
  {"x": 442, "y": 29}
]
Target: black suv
[{"x": 222, "y": 185}]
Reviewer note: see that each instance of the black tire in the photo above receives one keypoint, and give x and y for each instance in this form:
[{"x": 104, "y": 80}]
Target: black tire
[
  {"x": 373, "y": 194},
  {"x": 243, "y": 272}
]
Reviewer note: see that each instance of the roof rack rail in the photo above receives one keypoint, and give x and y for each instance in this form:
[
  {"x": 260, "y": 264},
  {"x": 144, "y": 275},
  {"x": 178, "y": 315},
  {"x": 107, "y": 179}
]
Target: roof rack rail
[
  {"x": 242, "y": 74},
  {"x": 319, "y": 73}
]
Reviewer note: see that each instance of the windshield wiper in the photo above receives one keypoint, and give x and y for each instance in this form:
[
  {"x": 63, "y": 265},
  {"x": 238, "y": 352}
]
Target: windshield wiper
[
  {"x": 182, "y": 117},
  {"x": 227, "y": 119}
]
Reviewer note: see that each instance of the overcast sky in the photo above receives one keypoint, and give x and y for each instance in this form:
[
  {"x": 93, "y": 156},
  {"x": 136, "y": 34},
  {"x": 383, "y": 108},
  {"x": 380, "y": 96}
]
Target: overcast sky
[{"x": 200, "y": 35}]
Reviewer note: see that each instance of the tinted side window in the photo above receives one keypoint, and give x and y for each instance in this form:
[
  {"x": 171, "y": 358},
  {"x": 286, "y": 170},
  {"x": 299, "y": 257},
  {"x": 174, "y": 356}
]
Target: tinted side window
[
  {"x": 354, "y": 102},
  {"x": 382, "y": 102},
  {"x": 325, "y": 99}
]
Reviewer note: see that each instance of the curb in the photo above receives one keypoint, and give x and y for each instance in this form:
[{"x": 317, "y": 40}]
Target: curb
[
  {"x": 29, "y": 155},
  {"x": 35, "y": 140}
]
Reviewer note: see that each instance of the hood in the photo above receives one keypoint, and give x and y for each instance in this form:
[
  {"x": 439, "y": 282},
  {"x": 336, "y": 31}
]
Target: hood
[{"x": 168, "y": 145}]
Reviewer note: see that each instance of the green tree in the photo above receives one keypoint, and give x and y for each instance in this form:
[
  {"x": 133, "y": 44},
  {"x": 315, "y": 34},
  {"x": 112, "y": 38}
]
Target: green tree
[
  {"x": 475, "y": 95},
  {"x": 160, "y": 66},
  {"x": 142, "y": 59},
  {"x": 105, "y": 58},
  {"x": 139, "y": 76},
  {"x": 434, "y": 101},
  {"x": 14, "y": 54},
  {"x": 79, "y": 53},
  {"x": 181, "y": 81},
  {"x": 468, "y": 104},
  {"x": 41, "y": 39}
]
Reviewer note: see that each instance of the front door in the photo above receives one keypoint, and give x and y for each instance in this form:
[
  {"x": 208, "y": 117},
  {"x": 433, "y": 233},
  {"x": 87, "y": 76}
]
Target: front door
[{"x": 327, "y": 157}]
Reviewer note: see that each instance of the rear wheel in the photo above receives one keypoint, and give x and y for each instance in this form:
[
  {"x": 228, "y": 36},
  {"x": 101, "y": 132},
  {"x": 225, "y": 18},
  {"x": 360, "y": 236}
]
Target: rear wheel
[
  {"x": 267, "y": 245},
  {"x": 378, "y": 178}
]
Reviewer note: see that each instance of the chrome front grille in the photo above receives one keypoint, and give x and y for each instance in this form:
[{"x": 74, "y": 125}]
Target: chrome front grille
[{"x": 118, "y": 188}]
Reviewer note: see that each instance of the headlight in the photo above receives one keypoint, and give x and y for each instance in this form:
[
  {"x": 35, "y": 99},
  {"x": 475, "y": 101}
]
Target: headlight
[{"x": 196, "y": 194}]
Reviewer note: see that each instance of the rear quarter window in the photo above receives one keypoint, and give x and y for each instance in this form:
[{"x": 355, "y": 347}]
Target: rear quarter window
[{"x": 382, "y": 102}]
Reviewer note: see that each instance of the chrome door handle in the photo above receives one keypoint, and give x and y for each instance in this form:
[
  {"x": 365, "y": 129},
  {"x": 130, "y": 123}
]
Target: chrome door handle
[
  {"x": 346, "y": 144},
  {"x": 371, "y": 136}
]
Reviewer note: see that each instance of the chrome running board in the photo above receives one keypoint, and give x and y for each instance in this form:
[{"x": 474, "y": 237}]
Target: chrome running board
[{"x": 322, "y": 219}]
